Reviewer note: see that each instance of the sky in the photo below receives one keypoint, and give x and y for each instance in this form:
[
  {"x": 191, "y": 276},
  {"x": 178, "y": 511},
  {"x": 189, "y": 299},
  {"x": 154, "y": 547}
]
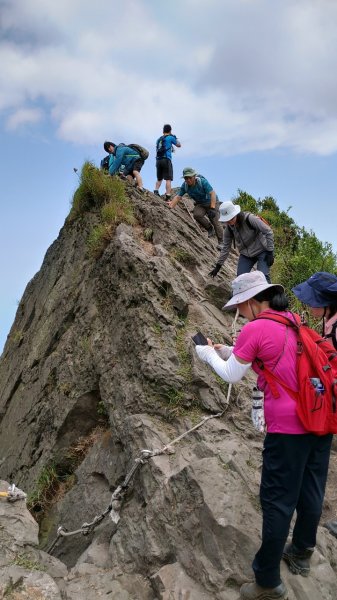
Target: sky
[{"x": 247, "y": 85}]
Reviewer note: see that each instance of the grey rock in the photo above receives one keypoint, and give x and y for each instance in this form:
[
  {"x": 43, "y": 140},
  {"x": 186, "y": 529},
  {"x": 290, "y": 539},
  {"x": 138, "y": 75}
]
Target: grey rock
[{"x": 99, "y": 365}]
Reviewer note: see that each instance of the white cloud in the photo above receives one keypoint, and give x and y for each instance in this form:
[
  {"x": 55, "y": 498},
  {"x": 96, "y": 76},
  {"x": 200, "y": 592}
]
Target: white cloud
[
  {"x": 24, "y": 116},
  {"x": 236, "y": 76}
]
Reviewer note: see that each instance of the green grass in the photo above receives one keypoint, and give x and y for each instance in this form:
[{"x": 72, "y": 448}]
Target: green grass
[
  {"x": 26, "y": 562},
  {"x": 98, "y": 190},
  {"x": 45, "y": 486},
  {"x": 148, "y": 234},
  {"x": 184, "y": 257},
  {"x": 58, "y": 476}
]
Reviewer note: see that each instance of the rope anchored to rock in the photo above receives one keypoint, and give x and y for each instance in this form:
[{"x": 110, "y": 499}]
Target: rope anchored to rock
[{"x": 117, "y": 497}]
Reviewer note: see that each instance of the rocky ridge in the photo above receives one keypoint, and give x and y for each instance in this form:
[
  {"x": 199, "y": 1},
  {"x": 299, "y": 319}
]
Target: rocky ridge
[{"x": 99, "y": 365}]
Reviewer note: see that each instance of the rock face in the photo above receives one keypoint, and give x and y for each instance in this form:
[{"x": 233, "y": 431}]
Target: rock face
[{"x": 99, "y": 365}]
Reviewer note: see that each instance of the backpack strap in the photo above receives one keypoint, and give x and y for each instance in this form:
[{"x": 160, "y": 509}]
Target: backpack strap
[
  {"x": 248, "y": 221},
  {"x": 269, "y": 375},
  {"x": 197, "y": 181},
  {"x": 294, "y": 322},
  {"x": 271, "y": 378}
]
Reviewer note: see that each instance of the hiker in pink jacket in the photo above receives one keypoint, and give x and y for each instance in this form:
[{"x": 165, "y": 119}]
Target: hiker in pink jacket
[{"x": 295, "y": 462}]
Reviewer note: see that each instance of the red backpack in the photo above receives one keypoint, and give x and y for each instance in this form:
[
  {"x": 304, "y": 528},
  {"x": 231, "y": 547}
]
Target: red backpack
[{"x": 316, "y": 360}]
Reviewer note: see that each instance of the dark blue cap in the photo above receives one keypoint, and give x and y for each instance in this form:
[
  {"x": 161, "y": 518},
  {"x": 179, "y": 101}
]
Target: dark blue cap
[{"x": 318, "y": 291}]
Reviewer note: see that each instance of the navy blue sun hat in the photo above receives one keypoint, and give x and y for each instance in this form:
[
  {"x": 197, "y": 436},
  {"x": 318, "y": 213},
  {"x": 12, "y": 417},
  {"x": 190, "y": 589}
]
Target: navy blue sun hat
[{"x": 318, "y": 291}]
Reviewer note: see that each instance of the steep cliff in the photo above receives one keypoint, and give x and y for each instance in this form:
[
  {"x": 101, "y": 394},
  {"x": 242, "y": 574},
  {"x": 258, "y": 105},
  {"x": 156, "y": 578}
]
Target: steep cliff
[{"x": 99, "y": 365}]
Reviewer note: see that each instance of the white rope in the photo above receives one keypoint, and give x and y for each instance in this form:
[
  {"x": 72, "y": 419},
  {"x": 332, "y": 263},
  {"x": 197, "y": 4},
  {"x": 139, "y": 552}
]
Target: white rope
[{"x": 118, "y": 495}]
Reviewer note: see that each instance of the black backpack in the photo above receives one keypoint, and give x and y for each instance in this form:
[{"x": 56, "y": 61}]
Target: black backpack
[
  {"x": 161, "y": 147},
  {"x": 105, "y": 163}
]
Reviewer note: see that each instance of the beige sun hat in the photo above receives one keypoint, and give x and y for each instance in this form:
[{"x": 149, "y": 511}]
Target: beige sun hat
[{"x": 248, "y": 285}]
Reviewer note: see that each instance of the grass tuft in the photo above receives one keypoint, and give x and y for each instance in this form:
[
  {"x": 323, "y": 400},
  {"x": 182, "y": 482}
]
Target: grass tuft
[
  {"x": 184, "y": 257},
  {"x": 99, "y": 189}
]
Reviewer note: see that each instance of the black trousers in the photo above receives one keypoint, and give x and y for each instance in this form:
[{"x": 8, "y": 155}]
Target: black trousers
[{"x": 294, "y": 474}]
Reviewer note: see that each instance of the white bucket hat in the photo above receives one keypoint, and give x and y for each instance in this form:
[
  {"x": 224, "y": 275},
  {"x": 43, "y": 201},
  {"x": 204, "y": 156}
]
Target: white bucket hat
[
  {"x": 228, "y": 211},
  {"x": 248, "y": 285}
]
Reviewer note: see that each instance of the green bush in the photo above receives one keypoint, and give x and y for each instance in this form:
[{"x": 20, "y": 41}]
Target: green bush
[{"x": 298, "y": 252}]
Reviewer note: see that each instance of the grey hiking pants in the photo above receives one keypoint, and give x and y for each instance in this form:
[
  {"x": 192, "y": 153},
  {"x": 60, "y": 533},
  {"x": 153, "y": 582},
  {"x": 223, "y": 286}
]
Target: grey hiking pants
[{"x": 200, "y": 214}]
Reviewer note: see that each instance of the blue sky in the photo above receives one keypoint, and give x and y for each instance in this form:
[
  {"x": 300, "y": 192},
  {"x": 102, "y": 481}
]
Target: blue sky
[{"x": 248, "y": 86}]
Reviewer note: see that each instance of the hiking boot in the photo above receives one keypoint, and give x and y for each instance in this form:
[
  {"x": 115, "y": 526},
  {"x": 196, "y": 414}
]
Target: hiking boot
[
  {"x": 211, "y": 231},
  {"x": 156, "y": 193},
  {"x": 297, "y": 560},
  {"x": 140, "y": 189},
  {"x": 167, "y": 197},
  {"x": 253, "y": 591}
]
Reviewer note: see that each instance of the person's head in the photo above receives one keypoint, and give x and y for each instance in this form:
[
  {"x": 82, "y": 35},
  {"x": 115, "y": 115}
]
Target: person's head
[
  {"x": 109, "y": 147},
  {"x": 319, "y": 293},
  {"x": 228, "y": 213},
  {"x": 252, "y": 294},
  {"x": 167, "y": 128},
  {"x": 189, "y": 175}
]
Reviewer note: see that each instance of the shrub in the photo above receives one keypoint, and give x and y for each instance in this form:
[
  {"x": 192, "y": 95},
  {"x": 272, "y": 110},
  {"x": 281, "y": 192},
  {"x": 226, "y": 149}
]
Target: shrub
[
  {"x": 298, "y": 252},
  {"x": 99, "y": 189}
]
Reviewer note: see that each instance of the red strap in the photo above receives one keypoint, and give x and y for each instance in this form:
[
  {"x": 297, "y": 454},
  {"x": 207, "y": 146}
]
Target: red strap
[
  {"x": 295, "y": 323},
  {"x": 269, "y": 375}
]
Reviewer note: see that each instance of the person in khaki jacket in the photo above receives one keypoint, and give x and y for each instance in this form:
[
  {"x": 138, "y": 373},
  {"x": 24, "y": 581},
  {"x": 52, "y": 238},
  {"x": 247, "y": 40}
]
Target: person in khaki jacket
[{"x": 250, "y": 235}]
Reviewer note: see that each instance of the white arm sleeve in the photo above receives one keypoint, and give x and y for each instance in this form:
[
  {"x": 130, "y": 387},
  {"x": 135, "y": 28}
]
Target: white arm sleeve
[
  {"x": 224, "y": 352},
  {"x": 230, "y": 370}
]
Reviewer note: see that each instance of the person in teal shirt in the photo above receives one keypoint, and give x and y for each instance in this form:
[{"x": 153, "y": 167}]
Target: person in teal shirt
[
  {"x": 129, "y": 158},
  {"x": 206, "y": 209}
]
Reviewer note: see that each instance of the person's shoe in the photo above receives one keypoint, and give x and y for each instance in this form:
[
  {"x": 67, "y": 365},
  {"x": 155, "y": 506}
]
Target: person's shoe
[
  {"x": 156, "y": 193},
  {"x": 297, "y": 560},
  {"x": 211, "y": 231},
  {"x": 122, "y": 176},
  {"x": 140, "y": 189},
  {"x": 167, "y": 197},
  {"x": 253, "y": 591}
]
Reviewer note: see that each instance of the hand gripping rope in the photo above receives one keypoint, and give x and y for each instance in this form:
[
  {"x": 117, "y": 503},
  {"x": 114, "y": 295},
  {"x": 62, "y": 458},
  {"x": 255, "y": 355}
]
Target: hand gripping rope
[{"x": 117, "y": 497}]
